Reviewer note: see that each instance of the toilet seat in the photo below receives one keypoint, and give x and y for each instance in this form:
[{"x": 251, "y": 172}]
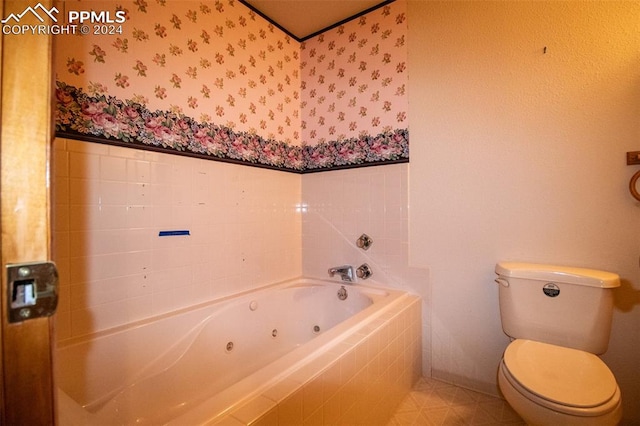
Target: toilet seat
[{"x": 562, "y": 379}]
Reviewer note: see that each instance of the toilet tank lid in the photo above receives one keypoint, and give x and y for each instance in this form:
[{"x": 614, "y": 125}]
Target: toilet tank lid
[{"x": 556, "y": 273}]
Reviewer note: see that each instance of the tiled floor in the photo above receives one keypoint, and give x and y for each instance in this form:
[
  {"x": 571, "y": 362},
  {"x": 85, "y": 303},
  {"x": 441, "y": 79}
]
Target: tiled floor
[{"x": 432, "y": 403}]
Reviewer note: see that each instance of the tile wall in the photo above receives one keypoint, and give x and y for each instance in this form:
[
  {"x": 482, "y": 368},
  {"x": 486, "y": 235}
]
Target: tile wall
[
  {"x": 110, "y": 204},
  {"x": 360, "y": 381},
  {"x": 339, "y": 206},
  {"x": 249, "y": 227}
]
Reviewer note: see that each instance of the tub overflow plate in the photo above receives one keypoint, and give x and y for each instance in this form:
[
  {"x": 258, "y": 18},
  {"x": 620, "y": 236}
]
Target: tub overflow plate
[{"x": 342, "y": 293}]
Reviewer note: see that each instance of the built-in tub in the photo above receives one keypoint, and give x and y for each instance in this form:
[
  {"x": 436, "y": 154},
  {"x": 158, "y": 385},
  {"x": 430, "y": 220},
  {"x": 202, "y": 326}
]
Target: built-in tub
[{"x": 289, "y": 353}]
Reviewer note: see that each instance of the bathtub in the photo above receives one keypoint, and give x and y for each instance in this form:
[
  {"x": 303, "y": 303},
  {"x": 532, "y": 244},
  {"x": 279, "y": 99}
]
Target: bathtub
[{"x": 288, "y": 353}]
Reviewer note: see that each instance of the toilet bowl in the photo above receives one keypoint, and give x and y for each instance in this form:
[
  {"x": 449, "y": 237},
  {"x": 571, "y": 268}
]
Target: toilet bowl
[{"x": 554, "y": 385}]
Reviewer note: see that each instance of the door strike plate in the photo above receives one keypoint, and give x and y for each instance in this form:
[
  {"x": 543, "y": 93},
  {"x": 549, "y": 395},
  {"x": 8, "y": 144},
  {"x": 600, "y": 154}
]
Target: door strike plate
[{"x": 32, "y": 290}]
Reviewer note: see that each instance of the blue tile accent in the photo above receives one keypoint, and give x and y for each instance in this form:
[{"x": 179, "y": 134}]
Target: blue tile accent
[{"x": 173, "y": 233}]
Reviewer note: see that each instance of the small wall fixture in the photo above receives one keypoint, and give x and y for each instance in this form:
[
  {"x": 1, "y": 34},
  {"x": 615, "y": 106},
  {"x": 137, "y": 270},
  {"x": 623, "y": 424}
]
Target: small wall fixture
[
  {"x": 364, "y": 242},
  {"x": 633, "y": 158}
]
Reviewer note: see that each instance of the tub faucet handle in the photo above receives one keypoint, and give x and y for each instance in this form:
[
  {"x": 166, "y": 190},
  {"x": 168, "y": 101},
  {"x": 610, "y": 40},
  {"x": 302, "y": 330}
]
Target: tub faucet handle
[
  {"x": 364, "y": 242},
  {"x": 364, "y": 271},
  {"x": 345, "y": 272}
]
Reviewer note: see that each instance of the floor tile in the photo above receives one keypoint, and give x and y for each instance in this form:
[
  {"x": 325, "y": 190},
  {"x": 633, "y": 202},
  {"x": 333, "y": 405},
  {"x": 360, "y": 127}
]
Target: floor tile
[{"x": 435, "y": 403}]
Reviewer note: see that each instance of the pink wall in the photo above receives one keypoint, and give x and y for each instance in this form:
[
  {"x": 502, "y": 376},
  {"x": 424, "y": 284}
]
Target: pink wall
[
  {"x": 110, "y": 202},
  {"x": 354, "y": 77},
  {"x": 522, "y": 157},
  {"x": 212, "y": 61},
  {"x": 109, "y": 205},
  {"x": 218, "y": 81}
]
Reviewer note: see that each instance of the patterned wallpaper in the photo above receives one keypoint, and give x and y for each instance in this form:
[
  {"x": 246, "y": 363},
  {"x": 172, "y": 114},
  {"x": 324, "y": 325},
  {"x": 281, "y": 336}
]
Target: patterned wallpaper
[
  {"x": 354, "y": 77},
  {"x": 215, "y": 79}
]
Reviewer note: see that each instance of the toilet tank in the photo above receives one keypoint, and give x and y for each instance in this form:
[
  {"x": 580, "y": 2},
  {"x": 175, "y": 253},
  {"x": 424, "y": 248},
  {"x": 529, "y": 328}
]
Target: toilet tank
[{"x": 560, "y": 305}]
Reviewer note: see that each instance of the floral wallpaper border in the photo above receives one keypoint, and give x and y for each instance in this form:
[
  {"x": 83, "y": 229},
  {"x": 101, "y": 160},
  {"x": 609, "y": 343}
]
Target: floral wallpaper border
[{"x": 107, "y": 119}]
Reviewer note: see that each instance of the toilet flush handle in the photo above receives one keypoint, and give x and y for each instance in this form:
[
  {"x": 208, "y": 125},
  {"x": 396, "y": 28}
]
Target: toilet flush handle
[{"x": 502, "y": 282}]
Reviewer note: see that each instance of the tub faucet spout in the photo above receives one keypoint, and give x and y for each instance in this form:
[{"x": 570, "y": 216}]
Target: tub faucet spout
[{"x": 345, "y": 272}]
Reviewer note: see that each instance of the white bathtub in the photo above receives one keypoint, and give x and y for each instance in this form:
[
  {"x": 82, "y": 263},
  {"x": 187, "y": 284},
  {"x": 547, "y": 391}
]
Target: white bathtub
[{"x": 244, "y": 360}]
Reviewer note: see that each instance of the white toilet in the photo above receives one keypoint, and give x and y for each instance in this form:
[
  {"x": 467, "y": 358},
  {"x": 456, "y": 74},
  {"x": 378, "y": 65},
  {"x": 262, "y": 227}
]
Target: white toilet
[{"x": 559, "y": 318}]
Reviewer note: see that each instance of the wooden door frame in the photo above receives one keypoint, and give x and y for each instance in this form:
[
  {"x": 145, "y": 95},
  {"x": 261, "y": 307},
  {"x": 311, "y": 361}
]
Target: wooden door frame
[{"x": 26, "y": 373}]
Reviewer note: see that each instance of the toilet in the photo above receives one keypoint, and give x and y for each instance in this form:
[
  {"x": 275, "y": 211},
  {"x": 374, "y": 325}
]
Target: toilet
[{"x": 559, "y": 320}]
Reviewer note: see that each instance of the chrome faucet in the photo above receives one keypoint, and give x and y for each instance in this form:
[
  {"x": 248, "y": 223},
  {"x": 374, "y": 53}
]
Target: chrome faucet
[{"x": 345, "y": 272}]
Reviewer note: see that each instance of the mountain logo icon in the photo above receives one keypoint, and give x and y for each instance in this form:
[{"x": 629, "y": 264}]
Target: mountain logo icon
[{"x": 34, "y": 11}]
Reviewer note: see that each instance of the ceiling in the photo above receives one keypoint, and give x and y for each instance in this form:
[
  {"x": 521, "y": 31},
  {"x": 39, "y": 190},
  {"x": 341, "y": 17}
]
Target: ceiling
[{"x": 304, "y": 18}]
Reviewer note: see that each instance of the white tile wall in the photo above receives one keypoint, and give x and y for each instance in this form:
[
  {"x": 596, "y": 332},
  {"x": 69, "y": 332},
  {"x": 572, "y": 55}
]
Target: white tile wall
[
  {"x": 341, "y": 205},
  {"x": 111, "y": 202},
  {"x": 358, "y": 382},
  {"x": 249, "y": 227}
]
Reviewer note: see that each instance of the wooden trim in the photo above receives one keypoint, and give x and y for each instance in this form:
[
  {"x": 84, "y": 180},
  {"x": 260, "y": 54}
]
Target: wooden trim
[
  {"x": 25, "y": 139},
  {"x": 141, "y": 146},
  {"x": 144, "y": 147},
  {"x": 344, "y": 21},
  {"x": 308, "y": 36},
  {"x": 357, "y": 166},
  {"x": 3, "y": 313}
]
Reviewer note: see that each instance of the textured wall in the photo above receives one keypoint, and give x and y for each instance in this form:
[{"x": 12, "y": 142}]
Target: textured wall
[{"x": 521, "y": 156}]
